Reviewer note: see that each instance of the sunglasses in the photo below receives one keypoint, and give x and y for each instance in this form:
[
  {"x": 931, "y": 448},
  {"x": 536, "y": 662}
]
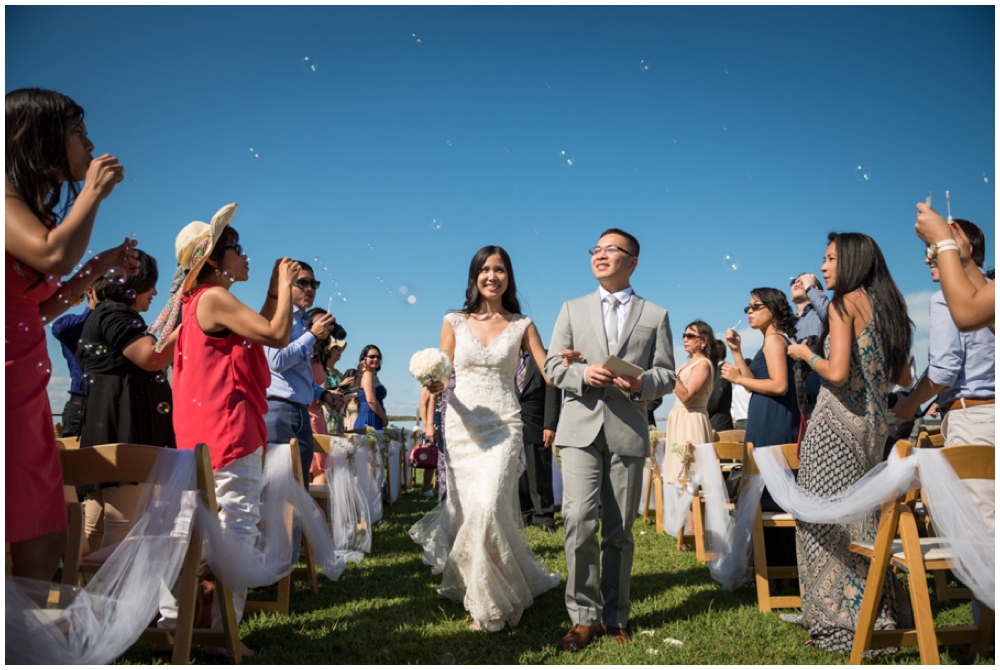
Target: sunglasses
[
  {"x": 307, "y": 284},
  {"x": 690, "y": 336},
  {"x": 377, "y": 358},
  {"x": 238, "y": 248},
  {"x": 754, "y": 308}
]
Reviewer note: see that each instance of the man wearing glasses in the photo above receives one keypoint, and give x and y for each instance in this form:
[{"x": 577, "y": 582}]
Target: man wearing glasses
[
  {"x": 810, "y": 304},
  {"x": 292, "y": 388},
  {"x": 603, "y": 433}
]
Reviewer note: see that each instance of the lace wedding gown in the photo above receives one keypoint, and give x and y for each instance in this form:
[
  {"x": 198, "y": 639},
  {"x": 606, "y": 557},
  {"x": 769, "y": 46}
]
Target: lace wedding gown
[{"x": 473, "y": 538}]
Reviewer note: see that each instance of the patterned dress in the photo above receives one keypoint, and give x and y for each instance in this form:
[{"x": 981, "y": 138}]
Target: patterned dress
[{"x": 844, "y": 441}]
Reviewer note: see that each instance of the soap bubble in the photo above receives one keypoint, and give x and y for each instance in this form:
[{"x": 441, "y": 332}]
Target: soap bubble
[
  {"x": 412, "y": 299},
  {"x": 309, "y": 63},
  {"x": 43, "y": 367},
  {"x": 163, "y": 408},
  {"x": 404, "y": 289},
  {"x": 87, "y": 270},
  {"x": 725, "y": 71},
  {"x": 254, "y": 153},
  {"x": 23, "y": 327},
  {"x": 435, "y": 224},
  {"x": 730, "y": 262},
  {"x": 566, "y": 157},
  {"x": 116, "y": 275},
  {"x": 644, "y": 65},
  {"x": 448, "y": 142},
  {"x": 986, "y": 178},
  {"x": 136, "y": 323},
  {"x": 160, "y": 378},
  {"x": 130, "y": 294},
  {"x": 416, "y": 40},
  {"x": 862, "y": 172}
]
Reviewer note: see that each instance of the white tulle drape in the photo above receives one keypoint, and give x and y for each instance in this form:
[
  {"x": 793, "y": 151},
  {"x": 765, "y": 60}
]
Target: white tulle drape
[
  {"x": 241, "y": 565},
  {"x": 106, "y": 617},
  {"x": 350, "y": 517},
  {"x": 956, "y": 518}
]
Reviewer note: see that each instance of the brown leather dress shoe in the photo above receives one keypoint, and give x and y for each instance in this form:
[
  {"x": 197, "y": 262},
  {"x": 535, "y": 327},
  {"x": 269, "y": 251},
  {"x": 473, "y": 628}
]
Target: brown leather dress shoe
[
  {"x": 579, "y": 637},
  {"x": 620, "y": 635}
]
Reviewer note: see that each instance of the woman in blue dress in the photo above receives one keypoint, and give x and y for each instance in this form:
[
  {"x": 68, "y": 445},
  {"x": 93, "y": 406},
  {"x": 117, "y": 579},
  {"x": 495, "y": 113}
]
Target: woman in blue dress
[
  {"x": 371, "y": 393},
  {"x": 773, "y": 416}
]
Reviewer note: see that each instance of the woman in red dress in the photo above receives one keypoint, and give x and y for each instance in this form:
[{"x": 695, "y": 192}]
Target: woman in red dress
[
  {"x": 221, "y": 375},
  {"x": 47, "y": 146}
]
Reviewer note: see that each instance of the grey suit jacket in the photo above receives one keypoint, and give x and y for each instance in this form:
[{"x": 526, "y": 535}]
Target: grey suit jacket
[{"x": 645, "y": 341}]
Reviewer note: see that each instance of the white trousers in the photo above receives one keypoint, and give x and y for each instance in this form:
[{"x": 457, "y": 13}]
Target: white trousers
[{"x": 237, "y": 491}]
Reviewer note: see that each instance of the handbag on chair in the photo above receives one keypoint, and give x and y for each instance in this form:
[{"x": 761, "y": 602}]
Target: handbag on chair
[{"x": 424, "y": 455}]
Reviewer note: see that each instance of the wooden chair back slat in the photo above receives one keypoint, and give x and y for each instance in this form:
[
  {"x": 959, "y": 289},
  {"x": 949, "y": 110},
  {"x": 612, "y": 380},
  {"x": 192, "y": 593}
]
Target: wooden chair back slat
[
  {"x": 109, "y": 463},
  {"x": 729, "y": 451}
]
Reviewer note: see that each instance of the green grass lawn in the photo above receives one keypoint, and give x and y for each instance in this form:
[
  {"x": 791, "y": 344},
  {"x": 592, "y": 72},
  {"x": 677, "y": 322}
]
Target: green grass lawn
[{"x": 386, "y": 610}]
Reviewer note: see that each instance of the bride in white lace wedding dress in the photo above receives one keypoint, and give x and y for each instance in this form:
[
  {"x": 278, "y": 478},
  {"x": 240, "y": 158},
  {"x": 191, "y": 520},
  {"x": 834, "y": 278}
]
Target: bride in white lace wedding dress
[{"x": 473, "y": 537}]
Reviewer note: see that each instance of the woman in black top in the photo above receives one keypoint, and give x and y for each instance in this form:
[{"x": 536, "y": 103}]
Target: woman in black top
[{"x": 128, "y": 398}]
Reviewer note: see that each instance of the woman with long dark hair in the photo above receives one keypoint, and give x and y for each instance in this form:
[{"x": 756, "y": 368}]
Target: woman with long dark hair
[
  {"x": 472, "y": 537},
  {"x": 371, "y": 393},
  {"x": 47, "y": 148},
  {"x": 773, "y": 414},
  {"x": 866, "y": 343}
]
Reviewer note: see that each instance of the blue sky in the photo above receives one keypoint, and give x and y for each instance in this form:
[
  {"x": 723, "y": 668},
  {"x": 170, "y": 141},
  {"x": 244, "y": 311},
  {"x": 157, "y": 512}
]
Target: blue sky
[{"x": 739, "y": 137}]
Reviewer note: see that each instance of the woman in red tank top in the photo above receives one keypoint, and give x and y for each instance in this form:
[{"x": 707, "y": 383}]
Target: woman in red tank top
[
  {"x": 42, "y": 125},
  {"x": 220, "y": 372}
]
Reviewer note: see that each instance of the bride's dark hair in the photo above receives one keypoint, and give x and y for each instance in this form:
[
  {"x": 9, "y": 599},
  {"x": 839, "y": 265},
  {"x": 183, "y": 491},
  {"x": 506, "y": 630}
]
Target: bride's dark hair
[{"x": 472, "y": 297}]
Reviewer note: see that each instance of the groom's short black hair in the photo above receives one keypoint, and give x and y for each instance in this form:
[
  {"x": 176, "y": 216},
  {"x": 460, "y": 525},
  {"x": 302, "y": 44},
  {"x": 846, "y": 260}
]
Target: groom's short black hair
[{"x": 627, "y": 236}]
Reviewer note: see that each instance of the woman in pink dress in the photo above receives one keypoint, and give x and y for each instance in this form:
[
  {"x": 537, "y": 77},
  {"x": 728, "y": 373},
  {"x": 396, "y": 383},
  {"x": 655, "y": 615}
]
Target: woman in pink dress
[{"x": 47, "y": 146}]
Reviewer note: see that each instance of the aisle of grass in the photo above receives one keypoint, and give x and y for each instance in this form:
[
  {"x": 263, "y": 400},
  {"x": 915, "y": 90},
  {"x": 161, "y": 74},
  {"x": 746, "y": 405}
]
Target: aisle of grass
[{"x": 386, "y": 610}]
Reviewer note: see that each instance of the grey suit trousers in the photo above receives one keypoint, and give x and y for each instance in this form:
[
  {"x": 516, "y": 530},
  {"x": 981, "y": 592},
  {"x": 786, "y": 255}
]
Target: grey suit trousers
[{"x": 600, "y": 488}]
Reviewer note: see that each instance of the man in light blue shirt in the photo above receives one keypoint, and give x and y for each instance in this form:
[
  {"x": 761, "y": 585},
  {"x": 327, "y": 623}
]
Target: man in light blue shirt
[
  {"x": 961, "y": 371},
  {"x": 810, "y": 305},
  {"x": 961, "y": 368},
  {"x": 292, "y": 388}
]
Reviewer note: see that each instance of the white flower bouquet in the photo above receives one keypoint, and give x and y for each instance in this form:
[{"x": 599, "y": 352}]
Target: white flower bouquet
[{"x": 429, "y": 366}]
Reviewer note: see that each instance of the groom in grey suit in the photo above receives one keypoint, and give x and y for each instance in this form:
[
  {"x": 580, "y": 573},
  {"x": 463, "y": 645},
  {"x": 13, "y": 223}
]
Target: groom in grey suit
[{"x": 603, "y": 433}]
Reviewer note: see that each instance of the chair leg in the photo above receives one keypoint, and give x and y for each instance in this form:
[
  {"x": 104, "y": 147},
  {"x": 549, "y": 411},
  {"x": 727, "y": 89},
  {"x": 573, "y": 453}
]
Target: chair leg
[
  {"x": 920, "y": 598},
  {"x": 698, "y": 513},
  {"x": 760, "y": 565},
  {"x": 657, "y": 487},
  {"x": 874, "y": 585},
  {"x": 230, "y": 629},
  {"x": 649, "y": 492},
  {"x": 186, "y": 603},
  {"x": 941, "y": 586},
  {"x": 985, "y": 626},
  {"x": 311, "y": 567}
]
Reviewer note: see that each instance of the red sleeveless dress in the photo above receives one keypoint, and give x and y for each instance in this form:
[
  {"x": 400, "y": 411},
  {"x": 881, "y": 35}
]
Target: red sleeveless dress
[
  {"x": 35, "y": 502},
  {"x": 220, "y": 389}
]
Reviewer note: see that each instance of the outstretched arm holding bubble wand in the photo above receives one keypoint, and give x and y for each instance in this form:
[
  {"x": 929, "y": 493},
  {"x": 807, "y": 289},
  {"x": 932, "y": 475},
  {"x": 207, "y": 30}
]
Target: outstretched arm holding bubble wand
[{"x": 972, "y": 307}]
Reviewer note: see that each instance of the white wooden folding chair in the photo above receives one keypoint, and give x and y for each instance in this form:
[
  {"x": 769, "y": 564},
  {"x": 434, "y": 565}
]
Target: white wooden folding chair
[
  {"x": 764, "y": 573},
  {"x": 898, "y": 543},
  {"x": 133, "y": 463}
]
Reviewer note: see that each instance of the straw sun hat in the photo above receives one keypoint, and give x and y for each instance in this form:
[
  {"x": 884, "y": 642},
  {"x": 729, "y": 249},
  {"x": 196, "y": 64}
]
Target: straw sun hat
[
  {"x": 193, "y": 246},
  {"x": 196, "y": 241}
]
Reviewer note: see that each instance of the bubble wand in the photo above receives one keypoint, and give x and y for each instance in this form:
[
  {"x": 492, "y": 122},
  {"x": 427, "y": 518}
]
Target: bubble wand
[
  {"x": 329, "y": 305},
  {"x": 947, "y": 198}
]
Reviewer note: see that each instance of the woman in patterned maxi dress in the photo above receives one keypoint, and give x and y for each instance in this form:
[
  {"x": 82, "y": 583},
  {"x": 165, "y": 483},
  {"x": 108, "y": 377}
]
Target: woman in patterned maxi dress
[{"x": 866, "y": 342}]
